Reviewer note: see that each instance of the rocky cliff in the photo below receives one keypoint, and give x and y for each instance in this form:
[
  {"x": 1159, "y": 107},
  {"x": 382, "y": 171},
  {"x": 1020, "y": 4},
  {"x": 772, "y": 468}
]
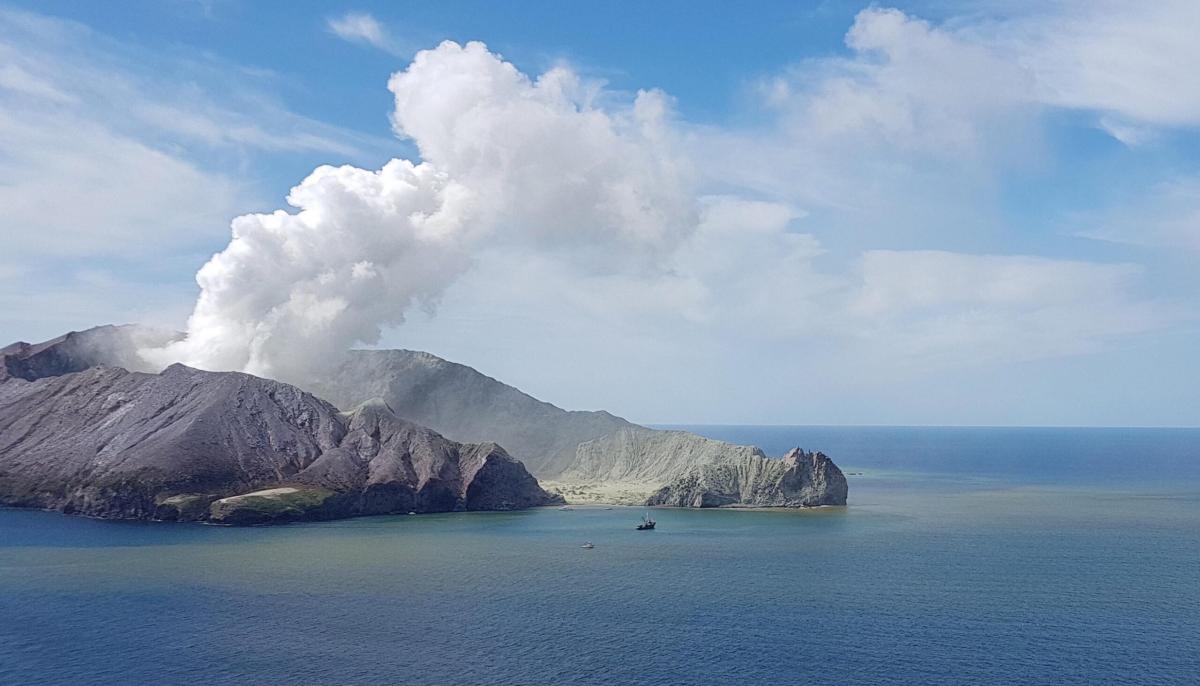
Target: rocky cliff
[
  {"x": 800, "y": 479},
  {"x": 234, "y": 448},
  {"x": 701, "y": 472}
]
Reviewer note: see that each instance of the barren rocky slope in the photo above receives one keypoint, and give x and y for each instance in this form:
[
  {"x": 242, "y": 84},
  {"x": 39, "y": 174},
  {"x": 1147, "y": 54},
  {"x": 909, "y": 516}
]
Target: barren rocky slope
[
  {"x": 466, "y": 405},
  {"x": 589, "y": 450},
  {"x": 577, "y": 449},
  {"x": 115, "y": 346},
  {"x": 700, "y": 472},
  {"x": 187, "y": 444}
]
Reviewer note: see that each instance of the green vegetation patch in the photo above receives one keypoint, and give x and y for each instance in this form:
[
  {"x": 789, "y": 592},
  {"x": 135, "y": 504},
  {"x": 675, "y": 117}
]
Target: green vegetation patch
[
  {"x": 274, "y": 504},
  {"x": 184, "y": 506}
]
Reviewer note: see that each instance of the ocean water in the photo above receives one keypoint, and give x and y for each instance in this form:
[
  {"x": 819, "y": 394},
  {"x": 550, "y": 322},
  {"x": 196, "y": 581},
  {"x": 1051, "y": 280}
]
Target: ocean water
[{"x": 966, "y": 556}]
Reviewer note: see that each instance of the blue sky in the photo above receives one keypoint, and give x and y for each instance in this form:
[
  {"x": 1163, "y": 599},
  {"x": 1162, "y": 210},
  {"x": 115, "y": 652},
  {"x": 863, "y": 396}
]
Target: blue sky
[{"x": 920, "y": 213}]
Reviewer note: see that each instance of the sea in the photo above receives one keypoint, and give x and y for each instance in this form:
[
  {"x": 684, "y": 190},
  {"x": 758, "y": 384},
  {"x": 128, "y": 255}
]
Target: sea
[{"x": 965, "y": 556}]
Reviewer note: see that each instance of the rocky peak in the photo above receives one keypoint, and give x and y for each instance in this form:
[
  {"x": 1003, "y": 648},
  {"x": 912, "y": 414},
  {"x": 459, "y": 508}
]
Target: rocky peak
[
  {"x": 79, "y": 350},
  {"x": 797, "y": 456}
]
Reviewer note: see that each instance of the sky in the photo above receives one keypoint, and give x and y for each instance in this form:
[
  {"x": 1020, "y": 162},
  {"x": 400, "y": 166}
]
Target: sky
[{"x": 934, "y": 213}]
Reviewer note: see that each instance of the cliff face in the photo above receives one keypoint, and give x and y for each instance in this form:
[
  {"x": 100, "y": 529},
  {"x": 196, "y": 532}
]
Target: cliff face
[
  {"x": 387, "y": 464},
  {"x": 183, "y": 444},
  {"x": 800, "y": 479}
]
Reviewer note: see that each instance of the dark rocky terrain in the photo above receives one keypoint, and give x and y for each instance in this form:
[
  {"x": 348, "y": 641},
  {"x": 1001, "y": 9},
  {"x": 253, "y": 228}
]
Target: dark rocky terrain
[
  {"x": 232, "y": 448},
  {"x": 581, "y": 450},
  {"x": 115, "y": 346}
]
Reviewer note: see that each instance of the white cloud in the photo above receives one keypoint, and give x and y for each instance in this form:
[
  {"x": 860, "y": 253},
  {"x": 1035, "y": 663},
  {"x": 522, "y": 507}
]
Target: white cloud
[
  {"x": 908, "y": 135},
  {"x": 902, "y": 282},
  {"x": 554, "y": 159},
  {"x": 972, "y": 86},
  {"x": 360, "y": 27},
  {"x": 52, "y": 62},
  {"x": 14, "y": 78},
  {"x": 909, "y": 84},
  {"x": 1133, "y": 60},
  {"x": 71, "y": 188}
]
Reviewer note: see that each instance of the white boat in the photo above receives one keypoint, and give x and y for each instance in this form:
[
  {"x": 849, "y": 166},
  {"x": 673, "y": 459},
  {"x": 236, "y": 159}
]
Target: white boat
[{"x": 587, "y": 546}]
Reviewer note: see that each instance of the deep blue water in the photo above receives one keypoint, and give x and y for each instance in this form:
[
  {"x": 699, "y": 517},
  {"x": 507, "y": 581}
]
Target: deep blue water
[{"x": 966, "y": 556}]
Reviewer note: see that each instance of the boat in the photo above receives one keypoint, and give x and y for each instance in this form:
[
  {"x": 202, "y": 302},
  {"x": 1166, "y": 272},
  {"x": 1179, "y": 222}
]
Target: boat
[
  {"x": 587, "y": 546},
  {"x": 647, "y": 524},
  {"x": 565, "y": 507}
]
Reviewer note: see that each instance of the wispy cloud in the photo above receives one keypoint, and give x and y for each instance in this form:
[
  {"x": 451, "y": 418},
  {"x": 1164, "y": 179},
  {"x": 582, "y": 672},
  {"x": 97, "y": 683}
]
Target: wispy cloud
[
  {"x": 106, "y": 156},
  {"x": 360, "y": 27},
  {"x": 114, "y": 152},
  {"x": 1165, "y": 216}
]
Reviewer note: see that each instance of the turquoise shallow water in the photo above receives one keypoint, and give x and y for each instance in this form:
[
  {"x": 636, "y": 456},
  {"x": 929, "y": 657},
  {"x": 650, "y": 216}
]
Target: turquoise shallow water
[{"x": 946, "y": 574}]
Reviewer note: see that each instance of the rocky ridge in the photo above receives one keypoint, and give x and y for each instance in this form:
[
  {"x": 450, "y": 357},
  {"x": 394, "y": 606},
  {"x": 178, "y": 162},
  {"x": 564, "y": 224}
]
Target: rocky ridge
[
  {"x": 464, "y": 404},
  {"x": 582, "y": 452},
  {"x": 590, "y": 451},
  {"x": 186, "y": 444}
]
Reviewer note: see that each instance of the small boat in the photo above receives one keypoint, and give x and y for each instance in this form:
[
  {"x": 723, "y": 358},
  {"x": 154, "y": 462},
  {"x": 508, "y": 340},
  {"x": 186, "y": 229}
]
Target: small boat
[
  {"x": 565, "y": 507},
  {"x": 647, "y": 524},
  {"x": 587, "y": 546}
]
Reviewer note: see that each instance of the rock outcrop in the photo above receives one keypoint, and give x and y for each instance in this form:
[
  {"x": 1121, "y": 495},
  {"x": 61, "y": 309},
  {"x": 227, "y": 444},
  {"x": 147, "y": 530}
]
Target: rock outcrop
[
  {"x": 107, "y": 442},
  {"x": 800, "y": 479}
]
